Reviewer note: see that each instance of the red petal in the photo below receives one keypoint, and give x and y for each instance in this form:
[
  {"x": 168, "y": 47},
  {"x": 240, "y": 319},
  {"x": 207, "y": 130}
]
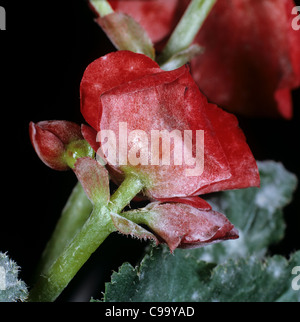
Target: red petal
[
  {"x": 195, "y": 202},
  {"x": 107, "y": 72},
  {"x": 283, "y": 98},
  {"x": 251, "y": 53},
  {"x": 166, "y": 101},
  {"x": 66, "y": 131},
  {"x": 222, "y": 235},
  {"x": 244, "y": 171},
  {"x": 90, "y": 136}
]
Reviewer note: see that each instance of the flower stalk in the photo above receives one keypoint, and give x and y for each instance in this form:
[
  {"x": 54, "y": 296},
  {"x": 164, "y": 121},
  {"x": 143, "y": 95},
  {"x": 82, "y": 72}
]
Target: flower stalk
[
  {"x": 187, "y": 28},
  {"x": 95, "y": 230},
  {"x": 75, "y": 213},
  {"x": 102, "y": 7}
]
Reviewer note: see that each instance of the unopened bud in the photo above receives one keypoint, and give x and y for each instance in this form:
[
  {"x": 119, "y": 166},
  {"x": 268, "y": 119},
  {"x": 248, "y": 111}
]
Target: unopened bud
[{"x": 58, "y": 143}]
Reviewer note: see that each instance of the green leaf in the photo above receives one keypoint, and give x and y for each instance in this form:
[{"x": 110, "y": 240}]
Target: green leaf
[
  {"x": 256, "y": 212},
  {"x": 242, "y": 274},
  {"x": 126, "y": 34},
  {"x": 163, "y": 277},
  {"x": 160, "y": 277},
  {"x": 11, "y": 288}
]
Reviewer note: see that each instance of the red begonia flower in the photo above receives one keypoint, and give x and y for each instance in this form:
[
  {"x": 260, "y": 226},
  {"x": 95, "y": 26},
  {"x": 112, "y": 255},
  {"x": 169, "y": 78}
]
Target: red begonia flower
[
  {"x": 251, "y": 60},
  {"x": 131, "y": 89},
  {"x": 50, "y": 138}
]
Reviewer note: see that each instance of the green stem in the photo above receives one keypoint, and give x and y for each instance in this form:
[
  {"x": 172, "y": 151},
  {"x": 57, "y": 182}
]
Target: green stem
[
  {"x": 187, "y": 28},
  {"x": 138, "y": 216},
  {"x": 102, "y": 7},
  {"x": 95, "y": 230},
  {"x": 130, "y": 187},
  {"x": 74, "y": 215},
  {"x": 92, "y": 234}
]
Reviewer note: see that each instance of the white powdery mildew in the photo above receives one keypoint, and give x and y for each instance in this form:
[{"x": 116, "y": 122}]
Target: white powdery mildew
[
  {"x": 268, "y": 197},
  {"x": 2, "y": 278},
  {"x": 195, "y": 296},
  {"x": 273, "y": 195},
  {"x": 11, "y": 288}
]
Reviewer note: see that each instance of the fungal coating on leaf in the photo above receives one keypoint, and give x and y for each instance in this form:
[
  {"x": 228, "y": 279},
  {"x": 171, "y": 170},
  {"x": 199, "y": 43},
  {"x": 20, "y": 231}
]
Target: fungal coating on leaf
[{"x": 11, "y": 288}]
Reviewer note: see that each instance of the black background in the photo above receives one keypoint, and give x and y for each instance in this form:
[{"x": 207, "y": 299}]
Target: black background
[{"x": 43, "y": 54}]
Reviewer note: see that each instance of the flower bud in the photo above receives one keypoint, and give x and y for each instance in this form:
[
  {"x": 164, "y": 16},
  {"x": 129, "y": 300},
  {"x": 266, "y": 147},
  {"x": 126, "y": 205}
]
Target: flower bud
[
  {"x": 181, "y": 225},
  {"x": 50, "y": 140}
]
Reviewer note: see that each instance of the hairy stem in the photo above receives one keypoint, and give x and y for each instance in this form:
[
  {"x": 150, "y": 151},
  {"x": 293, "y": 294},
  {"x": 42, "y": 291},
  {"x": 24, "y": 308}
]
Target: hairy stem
[
  {"x": 130, "y": 187},
  {"x": 95, "y": 230},
  {"x": 92, "y": 234},
  {"x": 75, "y": 213}
]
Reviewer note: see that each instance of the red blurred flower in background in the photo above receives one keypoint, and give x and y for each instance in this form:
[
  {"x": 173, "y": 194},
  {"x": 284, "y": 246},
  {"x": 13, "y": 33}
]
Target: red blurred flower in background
[
  {"x": 251, "y": 60},
  {"x": 161, "y": 16},
  {"x": 252, "y": 57}
]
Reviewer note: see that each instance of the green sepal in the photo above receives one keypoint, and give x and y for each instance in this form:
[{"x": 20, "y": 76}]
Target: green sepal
[
  {"x": 75, "y": 150},
  {"x": 127, "y": 34}
]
